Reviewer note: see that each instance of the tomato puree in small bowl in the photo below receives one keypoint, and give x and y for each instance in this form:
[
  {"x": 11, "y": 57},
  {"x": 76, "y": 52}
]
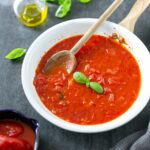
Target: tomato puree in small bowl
[
  {"x": 16, "y": 135},
  {"x": 102, "y": 60}
]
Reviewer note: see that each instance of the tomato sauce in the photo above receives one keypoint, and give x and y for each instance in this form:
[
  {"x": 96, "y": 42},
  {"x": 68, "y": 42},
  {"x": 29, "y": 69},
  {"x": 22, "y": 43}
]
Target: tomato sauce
[
  {"x": 102, "y": 60},
  {"x": 16, "y": 135}
]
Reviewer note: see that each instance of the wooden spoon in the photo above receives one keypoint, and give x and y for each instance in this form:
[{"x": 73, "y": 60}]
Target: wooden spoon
[
  {"x": 67, "y": 58},
  {"x": 135, "y": 12}
]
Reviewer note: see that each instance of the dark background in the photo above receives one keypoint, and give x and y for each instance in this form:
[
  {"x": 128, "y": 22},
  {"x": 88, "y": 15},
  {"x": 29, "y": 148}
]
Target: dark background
[{"x": 13, "y": 34}]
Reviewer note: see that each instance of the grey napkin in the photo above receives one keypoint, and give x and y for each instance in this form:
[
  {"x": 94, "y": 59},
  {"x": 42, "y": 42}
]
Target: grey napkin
[{"x": 136, "y": 141}]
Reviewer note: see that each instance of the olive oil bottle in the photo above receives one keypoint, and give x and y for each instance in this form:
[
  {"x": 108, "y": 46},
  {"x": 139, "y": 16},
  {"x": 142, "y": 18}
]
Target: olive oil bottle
[{"x": 31, "y": 13}]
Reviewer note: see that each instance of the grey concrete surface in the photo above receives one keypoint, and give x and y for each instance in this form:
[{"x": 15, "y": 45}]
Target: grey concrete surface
[{"x": 13, "y": 34}]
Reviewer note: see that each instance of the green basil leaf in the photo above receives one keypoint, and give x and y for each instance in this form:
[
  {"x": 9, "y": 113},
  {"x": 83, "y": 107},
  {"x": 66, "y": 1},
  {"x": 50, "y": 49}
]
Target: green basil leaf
[
  {"x": 63, "y": 9},
  {"x": 60, "y": 2},
  {"x": 80, "y": 78},
  {"x": 48, "y": 1},
  {"x": 15, "y": 53},
  {"x": 96, "y": 87},
  {"x": 85, "y": 1},
  {"x": 88, "y": 84},
  {"x": 51, "y": 1}
]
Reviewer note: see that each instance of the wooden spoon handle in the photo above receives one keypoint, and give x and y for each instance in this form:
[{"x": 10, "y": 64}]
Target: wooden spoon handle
[
  {"x": 135, "y": 12},
  {"x": 93, "y": 28}
]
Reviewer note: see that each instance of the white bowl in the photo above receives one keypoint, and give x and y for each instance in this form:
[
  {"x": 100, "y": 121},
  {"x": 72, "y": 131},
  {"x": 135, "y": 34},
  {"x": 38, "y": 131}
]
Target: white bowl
[{"x": 74, "y": 27}]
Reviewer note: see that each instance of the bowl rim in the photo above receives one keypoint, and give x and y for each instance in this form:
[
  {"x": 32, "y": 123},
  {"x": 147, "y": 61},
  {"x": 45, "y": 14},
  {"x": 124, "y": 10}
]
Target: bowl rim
[{"x": 64, "y": 124}]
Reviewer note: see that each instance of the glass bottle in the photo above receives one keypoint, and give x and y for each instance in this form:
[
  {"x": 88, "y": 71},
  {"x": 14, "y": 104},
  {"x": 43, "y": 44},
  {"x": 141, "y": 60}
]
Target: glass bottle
[{"x": 31, "y": 13}]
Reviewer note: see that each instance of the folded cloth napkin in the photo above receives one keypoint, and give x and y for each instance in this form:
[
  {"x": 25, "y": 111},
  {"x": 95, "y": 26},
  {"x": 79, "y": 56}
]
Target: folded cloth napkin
[{"x": 136, "y": 141}]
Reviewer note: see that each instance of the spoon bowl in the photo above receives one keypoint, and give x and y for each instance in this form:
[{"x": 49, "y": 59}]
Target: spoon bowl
[{"x": 64, "y": 59}]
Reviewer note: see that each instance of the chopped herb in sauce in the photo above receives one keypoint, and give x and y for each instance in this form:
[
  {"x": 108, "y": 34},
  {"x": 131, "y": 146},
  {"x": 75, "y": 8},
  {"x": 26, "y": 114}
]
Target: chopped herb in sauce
[{"x": 61, "y": 96}]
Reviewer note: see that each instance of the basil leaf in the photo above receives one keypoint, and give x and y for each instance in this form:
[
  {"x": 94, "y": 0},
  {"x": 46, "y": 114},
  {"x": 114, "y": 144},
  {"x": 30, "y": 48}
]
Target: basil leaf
[
  {"x": 80, "y": 78},
  {"x": 48, "y": 1},
  {"x": 15, "y": 53},
  {"x": 51, "y": 1},
  {"x": 63, "y": 9},
  {"x": 85, "y": 1},
  {"x": 87, "y": 84},
  {"x": 60, "y": 2},
  {"x": 96, "y": 87}
]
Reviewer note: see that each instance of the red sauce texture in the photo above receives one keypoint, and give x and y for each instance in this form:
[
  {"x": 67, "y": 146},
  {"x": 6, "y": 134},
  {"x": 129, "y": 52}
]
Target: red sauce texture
[
  {"x": 15, "y": 135},
  {"x": 102, "y": 60}
]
